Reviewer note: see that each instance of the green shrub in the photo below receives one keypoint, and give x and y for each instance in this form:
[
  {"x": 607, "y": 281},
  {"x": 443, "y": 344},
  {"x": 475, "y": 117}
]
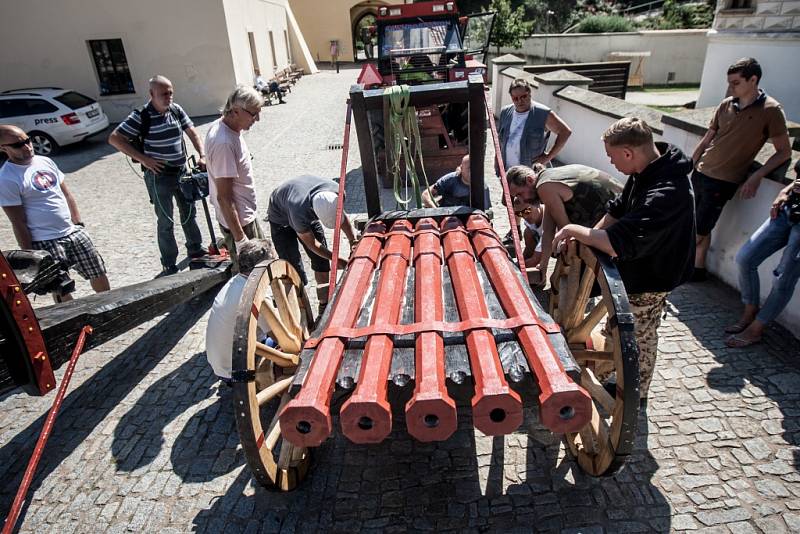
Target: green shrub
[
  {"x": 605, "y": 24},
  {"x": 681, "y": 16}
]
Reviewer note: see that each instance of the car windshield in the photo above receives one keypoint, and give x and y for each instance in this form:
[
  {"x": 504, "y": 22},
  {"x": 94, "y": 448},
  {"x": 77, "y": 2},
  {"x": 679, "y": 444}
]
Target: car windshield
[
  {"x": 434, "y": 36},
  {"x": 74, "y": 100}
]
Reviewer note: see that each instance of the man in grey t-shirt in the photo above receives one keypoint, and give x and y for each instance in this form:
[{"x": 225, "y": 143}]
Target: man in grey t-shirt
[{"x": 298, "y": 209}]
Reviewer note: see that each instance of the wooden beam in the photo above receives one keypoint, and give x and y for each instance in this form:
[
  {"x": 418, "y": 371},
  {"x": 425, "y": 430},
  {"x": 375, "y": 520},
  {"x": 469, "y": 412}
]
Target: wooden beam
[
  {"x": 367, "y": 149},
  {"x": 477, "y": 140},
  {"x": 117, "y": 311},
  {"x": 422, "y": 95}
]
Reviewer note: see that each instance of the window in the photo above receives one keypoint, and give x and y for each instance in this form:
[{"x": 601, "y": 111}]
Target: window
[
  {"x": 111, "y": 65},
  {"x": 288, "y": 49},
  {"x": 20, "y": 107},
  {"x": 253, "y": 56},
  {"x": 272, "y": 49},
  {"x": 74, "y": 100},
  {"x": 740, "y": 4}
]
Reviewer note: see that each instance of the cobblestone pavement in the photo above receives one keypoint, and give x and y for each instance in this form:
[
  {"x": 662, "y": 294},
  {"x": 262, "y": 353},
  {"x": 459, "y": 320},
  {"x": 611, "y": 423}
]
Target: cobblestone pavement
[{"x": 147, "y": 442}]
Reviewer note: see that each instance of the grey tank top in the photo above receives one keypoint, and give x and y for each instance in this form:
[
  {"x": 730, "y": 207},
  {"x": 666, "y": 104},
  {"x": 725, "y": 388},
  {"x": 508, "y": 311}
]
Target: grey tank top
[{"x": 591, "y": 190}]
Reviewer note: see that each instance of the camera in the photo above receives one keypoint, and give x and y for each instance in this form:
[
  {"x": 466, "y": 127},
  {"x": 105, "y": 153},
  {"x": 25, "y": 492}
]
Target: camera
[{"x": 194, "y": 184}]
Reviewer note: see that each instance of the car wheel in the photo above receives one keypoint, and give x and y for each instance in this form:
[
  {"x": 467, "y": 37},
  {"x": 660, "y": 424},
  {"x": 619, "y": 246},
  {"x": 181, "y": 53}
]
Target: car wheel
[{"x": 43, "y": 144}]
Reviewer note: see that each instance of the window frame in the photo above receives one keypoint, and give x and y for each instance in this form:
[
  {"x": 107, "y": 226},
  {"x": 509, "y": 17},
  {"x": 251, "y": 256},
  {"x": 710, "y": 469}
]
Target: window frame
[{"x": 114, "y": 76}]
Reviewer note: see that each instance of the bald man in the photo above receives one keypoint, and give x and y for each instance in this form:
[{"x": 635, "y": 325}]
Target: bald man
[
  {"x": 156, "y": 141},
  {"x": 43, "y": 212}
]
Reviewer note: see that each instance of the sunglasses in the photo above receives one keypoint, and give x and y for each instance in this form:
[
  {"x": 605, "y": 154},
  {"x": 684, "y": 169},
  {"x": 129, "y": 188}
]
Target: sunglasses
[
  {"x": 253, "y": 115},
  {"x": 524, "y": 211},
  {"x": 19, "y": 144}
]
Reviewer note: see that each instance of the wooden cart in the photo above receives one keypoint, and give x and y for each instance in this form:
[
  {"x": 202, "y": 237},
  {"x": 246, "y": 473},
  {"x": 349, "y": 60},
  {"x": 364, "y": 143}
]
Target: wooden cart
[{"x": 432, "y": 314}]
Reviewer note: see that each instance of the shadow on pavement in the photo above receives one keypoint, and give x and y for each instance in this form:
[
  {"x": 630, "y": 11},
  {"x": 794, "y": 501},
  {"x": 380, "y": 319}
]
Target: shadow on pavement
[
  {"x": 139, "y": 435},
  {"x": 511, "y": 483},
  {"x": 750, "y": 381},
  {"x": 89, "y": 404}
]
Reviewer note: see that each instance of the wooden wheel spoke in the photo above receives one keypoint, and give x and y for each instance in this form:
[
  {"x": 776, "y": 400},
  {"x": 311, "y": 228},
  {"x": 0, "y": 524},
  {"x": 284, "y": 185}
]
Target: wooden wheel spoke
[
  {"x": 280, "y": 358},
  {"x": 596, "y": 390},
  {"x": 283, "y": 335},
  {"x": 266, "y": 395},
  {"x": 579, "y": 333},
  {"x": 577, "y": 307},
  {"x": 586, "y": 355},
  {"x": 288, "y": 313}
]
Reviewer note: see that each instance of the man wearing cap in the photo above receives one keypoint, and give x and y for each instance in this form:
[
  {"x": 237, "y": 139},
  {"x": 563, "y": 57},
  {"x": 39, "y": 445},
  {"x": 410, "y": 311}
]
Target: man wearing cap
[{"x": 298, "y": 209}]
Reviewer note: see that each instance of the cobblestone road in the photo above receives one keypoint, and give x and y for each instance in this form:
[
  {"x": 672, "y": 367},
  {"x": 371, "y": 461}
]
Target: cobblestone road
[{"x": 146, "y": 441}]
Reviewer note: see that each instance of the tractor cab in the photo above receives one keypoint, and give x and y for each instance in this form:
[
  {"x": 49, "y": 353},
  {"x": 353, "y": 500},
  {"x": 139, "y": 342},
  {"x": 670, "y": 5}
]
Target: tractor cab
[{"x": 427, "y": 42}]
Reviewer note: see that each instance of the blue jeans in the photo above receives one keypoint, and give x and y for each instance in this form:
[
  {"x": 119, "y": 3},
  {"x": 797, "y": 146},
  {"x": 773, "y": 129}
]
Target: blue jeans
[
  {"x": 773, "y": 235},
  {"x": 162, "y": 188}
]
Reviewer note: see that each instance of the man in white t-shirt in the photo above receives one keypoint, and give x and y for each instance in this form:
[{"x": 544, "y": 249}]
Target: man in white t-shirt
[
  {"x": 230, "y": 171},
  {"x": 43, "y": 212},
  {"x": 222, "y": 318},
  {"x": 523, "y": 129}
]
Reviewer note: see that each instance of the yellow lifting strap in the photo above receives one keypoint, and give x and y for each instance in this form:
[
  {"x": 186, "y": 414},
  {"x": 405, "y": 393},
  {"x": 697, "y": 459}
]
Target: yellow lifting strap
[{"x": 403, "y": 141}]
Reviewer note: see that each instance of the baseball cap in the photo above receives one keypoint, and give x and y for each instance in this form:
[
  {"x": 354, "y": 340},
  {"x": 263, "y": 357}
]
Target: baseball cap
[{"x": 324, "y": 204}]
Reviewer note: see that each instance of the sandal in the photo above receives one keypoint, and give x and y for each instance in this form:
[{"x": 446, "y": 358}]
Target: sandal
[
  {"x": 737, "y": 342},
  {"x": 736, "y": 327}
]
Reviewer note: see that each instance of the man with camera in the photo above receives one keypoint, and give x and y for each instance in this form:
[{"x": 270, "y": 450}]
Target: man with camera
[
  {"x": 153, "y": 136},
  {"x": 781, "y": 230}
]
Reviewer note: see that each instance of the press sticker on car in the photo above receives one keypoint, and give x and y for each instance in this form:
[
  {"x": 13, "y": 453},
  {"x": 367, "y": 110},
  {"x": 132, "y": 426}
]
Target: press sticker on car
[{"x": 47, "y": 120}]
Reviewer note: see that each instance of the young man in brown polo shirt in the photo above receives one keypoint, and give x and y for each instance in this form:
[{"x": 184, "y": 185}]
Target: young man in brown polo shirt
[{"x": 741, "y": 125}]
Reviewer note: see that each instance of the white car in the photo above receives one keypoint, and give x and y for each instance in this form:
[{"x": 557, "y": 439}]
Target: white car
[{"x": 52, "y": 117}]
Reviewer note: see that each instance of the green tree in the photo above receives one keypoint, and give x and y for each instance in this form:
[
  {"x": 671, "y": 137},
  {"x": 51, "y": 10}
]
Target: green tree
[{"x": 510, "y": 27}]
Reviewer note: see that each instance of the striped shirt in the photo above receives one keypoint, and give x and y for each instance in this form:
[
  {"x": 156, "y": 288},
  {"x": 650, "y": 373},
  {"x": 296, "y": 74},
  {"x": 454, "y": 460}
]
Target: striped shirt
[{"x": 164, "y": 140}]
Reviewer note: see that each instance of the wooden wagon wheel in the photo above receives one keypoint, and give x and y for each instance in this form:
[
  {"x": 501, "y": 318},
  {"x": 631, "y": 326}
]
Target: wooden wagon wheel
[
  {"x": 262, "y": 374},
  {"x": 589, "y": 302}
]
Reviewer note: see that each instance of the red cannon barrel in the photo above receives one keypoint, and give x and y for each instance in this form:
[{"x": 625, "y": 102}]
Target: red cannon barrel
[
  {"x": 564, "y": 405},
  {"x": 431, "y": 413},
  {"x": 306, "y": 419},
  {"x": 496, "y": 409},
  {"x": 366, "y": 416}
]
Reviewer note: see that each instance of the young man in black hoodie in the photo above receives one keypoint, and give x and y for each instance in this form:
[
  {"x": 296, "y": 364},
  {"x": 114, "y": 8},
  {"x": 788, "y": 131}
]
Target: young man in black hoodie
[{"x": 649, "y": 229}]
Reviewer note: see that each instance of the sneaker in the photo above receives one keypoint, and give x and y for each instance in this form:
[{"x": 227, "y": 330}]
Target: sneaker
[
  {"x": 198, "y": 253},
  {"x": 699, "y": 275}
]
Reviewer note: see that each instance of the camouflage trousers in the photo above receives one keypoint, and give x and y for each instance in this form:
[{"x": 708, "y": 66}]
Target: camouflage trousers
[{"x": 647, "y": 309}]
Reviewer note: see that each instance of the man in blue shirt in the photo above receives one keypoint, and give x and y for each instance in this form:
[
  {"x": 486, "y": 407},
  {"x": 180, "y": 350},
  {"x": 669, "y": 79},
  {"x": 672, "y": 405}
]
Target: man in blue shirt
[
  {"x": 453, "y": 189},
  {"x": 158, "y": 145}
]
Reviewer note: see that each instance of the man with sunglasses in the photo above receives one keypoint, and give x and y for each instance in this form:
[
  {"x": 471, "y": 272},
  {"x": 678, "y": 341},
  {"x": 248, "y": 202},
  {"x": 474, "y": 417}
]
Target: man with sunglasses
[
  {"x": 156, "y": 141},
  {"x": 230, "y": 171},
  {"x": 43, "y": 212}
]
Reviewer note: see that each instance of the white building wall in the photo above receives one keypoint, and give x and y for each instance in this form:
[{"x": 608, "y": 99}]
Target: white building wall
[
  {"x": 44, "y": 44},
  {"x": 678, "y": 51},
  {"x": 259, "y": 17},
  {"x": 778, "y": 54}
]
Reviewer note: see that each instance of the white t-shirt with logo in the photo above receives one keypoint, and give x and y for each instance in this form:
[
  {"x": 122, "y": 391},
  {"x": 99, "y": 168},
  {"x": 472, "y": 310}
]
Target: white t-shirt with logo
[
  {"x": 227, "y": 157},
  {"x": 518, "y": 121},
  {"x": 37, "y": 188}
]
